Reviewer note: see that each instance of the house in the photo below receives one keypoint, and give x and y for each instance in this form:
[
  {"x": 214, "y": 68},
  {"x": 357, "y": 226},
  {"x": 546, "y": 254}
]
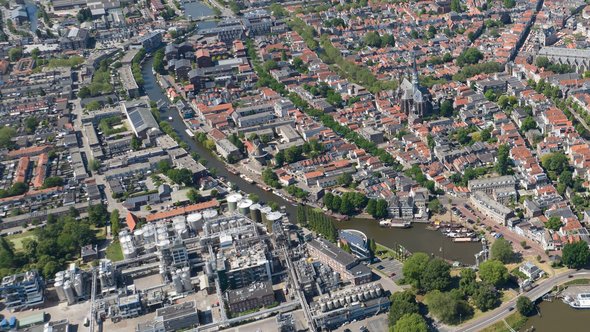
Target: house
[
  {"x": 88, "y": 253},
  {"x": 532, "y": 271}
]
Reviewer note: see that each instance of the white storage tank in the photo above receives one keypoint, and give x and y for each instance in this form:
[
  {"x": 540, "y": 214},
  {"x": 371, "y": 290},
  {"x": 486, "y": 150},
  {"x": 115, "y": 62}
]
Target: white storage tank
[
  {"x": 186, "y": 279},
  {"x": 255, "y": 213},
  {"x": 265, "y": 211},
  {"x": 69, "y": 292},
  {"x": 244, "y": 207},
  {"x": 195, "y": 221},
  {"x": 149, "y": 233},
  {"x": 232, "y": 201},
  {"x": 209, "y": 214},
  {"x": 59, "y": 289}
]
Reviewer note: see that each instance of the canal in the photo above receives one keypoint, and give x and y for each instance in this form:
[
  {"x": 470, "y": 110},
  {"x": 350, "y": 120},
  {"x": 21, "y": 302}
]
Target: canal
[
  {"x": 417, "y": 238},
  {"x": 558, "y": 316}
]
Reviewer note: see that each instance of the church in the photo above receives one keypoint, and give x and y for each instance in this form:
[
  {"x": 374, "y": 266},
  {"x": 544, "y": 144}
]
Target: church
[{"x": 415, "y": 100}]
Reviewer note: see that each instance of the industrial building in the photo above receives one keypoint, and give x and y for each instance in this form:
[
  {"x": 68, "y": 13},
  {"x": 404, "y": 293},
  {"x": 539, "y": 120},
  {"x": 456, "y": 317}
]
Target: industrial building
[
  {"x": 173, "y": 318},
  {"x": 357, "y": 241},
  {"x": 257, "y": 295},
  {"x": 23, "y": 290},
  {"x": 340, "y": 261},
  {"x": 72, "y": 285},
  {"x": 332, "y": 310}
]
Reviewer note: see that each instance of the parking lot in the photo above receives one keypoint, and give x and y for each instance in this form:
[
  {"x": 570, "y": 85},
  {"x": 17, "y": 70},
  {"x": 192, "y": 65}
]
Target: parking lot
[{"x": 391, "y": 268}]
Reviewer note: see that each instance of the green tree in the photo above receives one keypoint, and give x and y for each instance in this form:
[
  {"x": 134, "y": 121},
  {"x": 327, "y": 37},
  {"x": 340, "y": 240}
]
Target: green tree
[
  {"x": 372, "y": 39},
  {"x": 345, "y": 180},
  {"x": 84, "y": 92},
  {"x": 6, "y": 136},
  {"x": 456, "y": 6},
  {"x": 509, "y": 3},
  {"x": 448, "y": 307},
  {"x": 435, "y": 206},
  {"x": 469, "y": 57},
  {"x": 53, "y": 181},
  {"x": 193, "y": 195},
  {"x": 502, "y": 250},
  {"x": 411, "y": 323},
  {"x": 503, "y": 160},
  {"x": 436, "y": 275},
  {"x": 98, "y": 214},
  {"x": 493, "y": 272},
  {"x": 135, "y": 143},
  {"x": 554, "y": 223},
  {"x": 486, "y": 297},
  {"x": 525, "y": 306},
  {"x": 576, "y": 255},
  {"x": 280, "y": 158},
  {"x": 446, "y": 108},
  {"x": 381, "y": 209},
  {"x": 115, "y": 222},
  {"x": 468, "y": 282},
  {"x": 555, "y": 163},
  {"x": 528, "y": 123},
  {"x": 414, "y": 267},
  {"x": 402, "y": 303},
  {"x": 15, "y": 53},
  {"x": 180, "y": 176}
]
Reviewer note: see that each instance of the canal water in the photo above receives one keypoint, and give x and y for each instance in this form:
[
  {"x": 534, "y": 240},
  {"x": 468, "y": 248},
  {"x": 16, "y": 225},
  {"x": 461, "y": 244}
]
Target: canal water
[
  {"x": 196, "y": 9},
  {"x": 417, "y": 238},
  {"x": 558, "y": 316}
]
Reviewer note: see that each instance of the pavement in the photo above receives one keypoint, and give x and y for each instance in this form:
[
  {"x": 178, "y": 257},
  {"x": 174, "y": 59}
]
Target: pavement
[
  {"x": 376, "y": 323},
  {"x": 507, "y": 308}
]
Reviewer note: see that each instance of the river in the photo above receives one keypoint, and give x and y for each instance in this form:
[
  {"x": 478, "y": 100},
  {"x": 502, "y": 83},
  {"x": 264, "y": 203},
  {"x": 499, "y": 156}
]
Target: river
[
  {"x": 416, "y": 238},
  {"x": 558, "y": 316}
]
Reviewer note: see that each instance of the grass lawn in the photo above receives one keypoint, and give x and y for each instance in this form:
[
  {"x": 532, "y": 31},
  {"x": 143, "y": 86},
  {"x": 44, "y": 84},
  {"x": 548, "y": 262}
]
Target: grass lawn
[
  {"x": 578, "y": 282},
  {"x": 17, "y": 239},
  {"x": 516, "y": 321},
  {"x": 100, "y": 232},
  {"x": 114, "y": 252}
]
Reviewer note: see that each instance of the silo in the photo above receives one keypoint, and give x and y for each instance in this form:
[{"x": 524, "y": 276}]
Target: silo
[
  {"x": 69, "y": 292},
  {"x": 195, "y": 221},
  {"x": 355, "y": 297},
  {"x": 342, "y": 301},
  {"x": 138, "y": 235},
  {"x": 323, "y": 307},
  {"x": 149, "y": 233},
  {"x": 348, "y": 299},
  {"x": 264, "y": 211},
  {"x": 79, "y": 285},
  {"x": 373, "y": 294},
  {"x": 379, "y": 291},
  {"x": 244, "y": 207},
  {"x": 271, "y": 218},
  {"x": 209, "y": 214},
  {"x": 232, "y": 201},
  {"x": 367, "y": 295},
  {"x": 330, "y": 305},
  {"x": 186, "y": 279},
  {"x": 129, "y": 250},
  {"x": 59, "y": 289},
  {"x": 255, "y": 213},
  {"x": 177, "y": 283}
]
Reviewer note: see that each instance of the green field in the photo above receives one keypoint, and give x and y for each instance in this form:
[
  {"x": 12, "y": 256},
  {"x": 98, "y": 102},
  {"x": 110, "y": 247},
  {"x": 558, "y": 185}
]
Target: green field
[
  {"x": 17, "y": 239},
  {"x": 114, "y": 252},
  {"x": 516, "y": 321}
]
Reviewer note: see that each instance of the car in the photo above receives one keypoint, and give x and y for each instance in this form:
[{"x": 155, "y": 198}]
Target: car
[
  {"x": 392, "y": 275},
  {"x": 570, "y": 276},
  {"x": 510, "y": 308},
  {"x": 380, "y": 267},
  {"x": 364, "y": 329}
]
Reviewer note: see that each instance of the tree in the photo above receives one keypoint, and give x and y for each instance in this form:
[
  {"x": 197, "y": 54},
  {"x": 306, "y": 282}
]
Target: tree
[
  {"x": 436, "y": 275},
  {"x": 456, "y": 6},
  {"x": 413, "y": 268},
  {"x": 254, "y": 198},
  {"x": 576, "y": 255},
  {"x": 468, "y": 283},
  {"x": 509, "y": 3},
  {"x": 193, "y": 195},
  {"x": 448, "y": 307},
  {"x": 180, "y": 176},
  {"x": 135, "y": 143},
  {"x": 502, "y": 251},
  {"x": 469, "y": 57},
  {"x": 503, "y": 160},
  {"x": 6, "y": 135},
  {"x": 115, "y": 225},
  {"x": 486, "y": 297},
  {"x": 435, "y": 206},
  {"x": 555, "y": 163},
  {"x": 84, "y": 92},
  {"x": 53, "y": 181},
  {"x": 446, "y": 108},
  {"x": 381, "y": 209},
  {"x": 402, "y": 303},
  {"x": 15, "y": 53},
  {"x": 411, "y": 323},
  {"x": 98, "y": 214},
  {"x": 94, "y": 165},
  {"x": 528, "y": 123},
  {"x": 280, "y": 158},
  {"x": 373, "y": 39},
  {"x": 493, "y": 272},
  {"x": 278, "y": 10},
  {"x": 525, "y": 306},
  {"x": 554, "y": 223},
  {"x": 345, "y": 180}
]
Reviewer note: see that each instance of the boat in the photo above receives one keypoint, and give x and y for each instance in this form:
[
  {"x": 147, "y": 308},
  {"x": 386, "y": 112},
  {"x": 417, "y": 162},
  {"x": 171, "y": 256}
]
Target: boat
[
  {"x": 247, "y": 179},
  {"x": 189, "y": 132},
  {"x": 394, "y": 224},
  {"x": 580, "y": 301},
  {"x": 170, "y": 118},
  {"x": 465, "y": 239}
]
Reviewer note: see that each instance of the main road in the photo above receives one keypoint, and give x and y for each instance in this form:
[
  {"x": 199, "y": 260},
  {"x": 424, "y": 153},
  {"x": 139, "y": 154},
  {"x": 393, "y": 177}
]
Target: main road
[{"x": 507, "y": 308}]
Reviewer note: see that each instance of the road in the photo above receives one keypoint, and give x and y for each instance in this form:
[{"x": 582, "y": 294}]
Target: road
[
  {"x": 533, "y": 248},
  {"x": 503, "y": 311},
  {"x": 226, "y": 12}
]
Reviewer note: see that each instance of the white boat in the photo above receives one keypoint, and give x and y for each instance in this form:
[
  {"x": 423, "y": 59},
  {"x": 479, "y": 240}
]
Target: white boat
[
  {"x": 581, "y": 301},
  {"x": 170, "y": 118},
  {"x": 189, "y": 132}
]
